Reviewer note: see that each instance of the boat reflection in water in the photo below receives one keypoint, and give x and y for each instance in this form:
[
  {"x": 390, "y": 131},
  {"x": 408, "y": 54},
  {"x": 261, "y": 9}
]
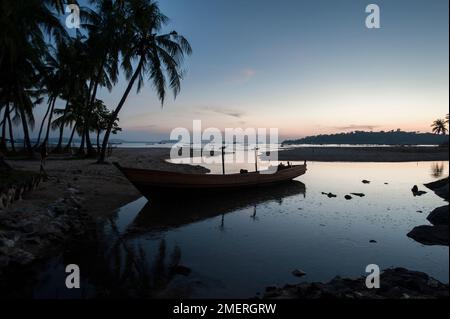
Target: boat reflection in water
[{"x": 159, "y": 216}]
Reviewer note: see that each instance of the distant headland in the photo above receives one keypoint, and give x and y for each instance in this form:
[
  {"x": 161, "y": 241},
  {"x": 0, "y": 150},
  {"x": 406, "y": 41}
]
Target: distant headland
[{"x": 397, "y": 137}]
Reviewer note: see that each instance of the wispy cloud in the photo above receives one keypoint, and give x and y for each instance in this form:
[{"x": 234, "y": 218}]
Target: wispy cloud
[
  {"x": 223, "y": 111},
  {"x": 356, "y": 127}
]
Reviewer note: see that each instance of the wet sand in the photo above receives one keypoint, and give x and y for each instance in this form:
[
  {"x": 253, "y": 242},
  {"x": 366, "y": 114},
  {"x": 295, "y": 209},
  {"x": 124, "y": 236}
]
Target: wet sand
[
  {"x": 365, "y": 154},
  {"x": 101, "y": 187}
]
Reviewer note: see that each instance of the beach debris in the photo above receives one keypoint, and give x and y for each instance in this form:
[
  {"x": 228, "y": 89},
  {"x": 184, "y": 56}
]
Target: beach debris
[
  {"x": 348, "y": 197},
  {"x": 372, "y": 241},
  {"x": 420, "y": 211},
  {"x": 386, "y": 183},
  {"x": 330, "y": 195},
  {"x": 416, "y": 192},
  {"x": 358, "y": 194},
  {"x": 365, "y": 181},
  {"x": 298, "y": 273}
]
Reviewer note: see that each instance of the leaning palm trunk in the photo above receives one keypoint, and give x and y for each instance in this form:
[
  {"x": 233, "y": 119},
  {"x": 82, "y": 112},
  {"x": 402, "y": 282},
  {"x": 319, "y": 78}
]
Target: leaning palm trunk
[
  {"x": 90, "y": 149},
  {"x": 69, "y": 144},
  {"x": 50, "y": 101},
  {"x": 61, "y": 128},
  {"x": 3, "y": 146},
  {"x": 26, "y": 134},
  {"x": 45, "y": 142},
  {"x": 117, "y": 110},
  {"x": 11, "y": 135}
]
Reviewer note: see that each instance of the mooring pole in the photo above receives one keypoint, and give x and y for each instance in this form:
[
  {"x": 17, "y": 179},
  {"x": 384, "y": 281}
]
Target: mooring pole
[
  {"x": 223, "y": 158},
  {"x": 256, "y": 159}
]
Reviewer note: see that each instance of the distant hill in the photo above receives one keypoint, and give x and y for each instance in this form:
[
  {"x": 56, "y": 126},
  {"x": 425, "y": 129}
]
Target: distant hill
[{"x": 379, "y": 138}]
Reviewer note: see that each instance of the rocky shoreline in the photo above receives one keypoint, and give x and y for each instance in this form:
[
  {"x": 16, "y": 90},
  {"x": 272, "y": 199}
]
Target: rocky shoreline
[
  {"x": 438, "y": 232},
  {"x": 395, "y": 283},
  {"x": 27, "y": 236},
  {"x": 39, "y": 217}
]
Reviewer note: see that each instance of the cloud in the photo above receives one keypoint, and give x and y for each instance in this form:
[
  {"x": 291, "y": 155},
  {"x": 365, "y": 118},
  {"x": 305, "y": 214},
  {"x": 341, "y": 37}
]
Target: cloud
[
  {"x": 223, "y": 111},
  {"x": 356, "y": 127}
]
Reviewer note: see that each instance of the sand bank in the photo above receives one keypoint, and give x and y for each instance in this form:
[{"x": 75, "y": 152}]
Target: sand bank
[{"x": 365, "y": 154}]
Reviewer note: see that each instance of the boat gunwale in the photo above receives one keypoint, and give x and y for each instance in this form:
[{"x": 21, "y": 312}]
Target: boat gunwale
[{"x": 152, "y": 171}]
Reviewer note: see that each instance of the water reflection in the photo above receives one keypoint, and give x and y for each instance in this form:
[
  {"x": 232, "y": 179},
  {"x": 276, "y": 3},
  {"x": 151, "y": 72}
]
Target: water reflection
[
  {"x": 159, "y": 216},
  {"x": 437, "y": 170}
]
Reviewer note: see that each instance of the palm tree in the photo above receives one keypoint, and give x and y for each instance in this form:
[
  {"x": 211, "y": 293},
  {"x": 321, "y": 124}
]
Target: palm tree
[
  {"x": 24, "y": 25},
  {"x": 105, "y": 35},
  {"x": 159, "y": 56},
  {"x": 439, "y": 127},
  {"x": 99, "y": 120}
]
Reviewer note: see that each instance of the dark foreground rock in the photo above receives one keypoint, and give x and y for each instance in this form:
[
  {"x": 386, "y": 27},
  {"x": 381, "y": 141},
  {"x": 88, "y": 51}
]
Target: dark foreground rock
[
  {"x": 438, "y": 233},
  {"x": 29, "y": 235},
  {"x": 430, "y": 235},
  {"x": 440, "y": 187},
  {"x": 439, "y": 216},
  {"x": 395, "y": 283}
]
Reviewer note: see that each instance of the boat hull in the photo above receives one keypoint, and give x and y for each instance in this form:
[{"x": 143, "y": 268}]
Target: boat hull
[{"x": 154, "y": 184}]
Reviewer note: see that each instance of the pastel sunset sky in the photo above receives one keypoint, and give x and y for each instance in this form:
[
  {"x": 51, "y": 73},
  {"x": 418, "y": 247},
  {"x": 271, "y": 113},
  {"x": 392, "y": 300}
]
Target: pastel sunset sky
[{"x": 304, "y": 66}]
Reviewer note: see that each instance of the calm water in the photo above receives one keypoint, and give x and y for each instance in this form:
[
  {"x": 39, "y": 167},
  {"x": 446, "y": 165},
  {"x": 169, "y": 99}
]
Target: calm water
[{"x": 237, "y": 246}]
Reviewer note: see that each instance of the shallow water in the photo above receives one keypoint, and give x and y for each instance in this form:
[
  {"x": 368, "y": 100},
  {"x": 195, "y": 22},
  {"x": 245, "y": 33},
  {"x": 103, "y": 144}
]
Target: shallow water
[
  {"x": 248, "y": 248},
  {"x": 237, "y": 246}
]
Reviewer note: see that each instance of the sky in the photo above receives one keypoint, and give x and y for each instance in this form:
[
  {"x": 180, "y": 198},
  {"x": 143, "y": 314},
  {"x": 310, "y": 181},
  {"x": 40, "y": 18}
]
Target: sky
[{"x": 305, "y": 67}]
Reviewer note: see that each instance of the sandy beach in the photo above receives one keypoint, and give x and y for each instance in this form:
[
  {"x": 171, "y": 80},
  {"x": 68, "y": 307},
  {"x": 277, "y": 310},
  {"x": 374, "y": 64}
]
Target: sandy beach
[
  {"x": 364, "y": 154},
  {"x": 102, "y": 187}
]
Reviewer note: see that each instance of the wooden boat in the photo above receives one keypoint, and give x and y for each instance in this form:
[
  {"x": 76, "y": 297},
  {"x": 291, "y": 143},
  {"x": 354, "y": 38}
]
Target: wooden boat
[{"x": 154, "y": 184}]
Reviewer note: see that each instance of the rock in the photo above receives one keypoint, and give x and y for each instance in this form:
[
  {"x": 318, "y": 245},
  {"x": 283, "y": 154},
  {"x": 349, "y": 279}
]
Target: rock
[
  {"x": 298, "y": 273},
  {"x": 348, "y": 197},
  {"x": 385, "y": 183},
  {"x": 430, "y": 235},
  {"x": 330, "y": 195},
  {"x": 270, "y": 288},
  {"x": 372, "y": 241},
  {"x": 182, "y": 270},
  {"x": 365, "y": 181},
  {"x": 358, "y": 194},
  {"x": 420, "y": 211},
  {"x": 416, "y": 192},
  {"x": 440, "y": 187},
  {"x": 397, "y": 283},
  {"x": 439, "y": 216}
]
